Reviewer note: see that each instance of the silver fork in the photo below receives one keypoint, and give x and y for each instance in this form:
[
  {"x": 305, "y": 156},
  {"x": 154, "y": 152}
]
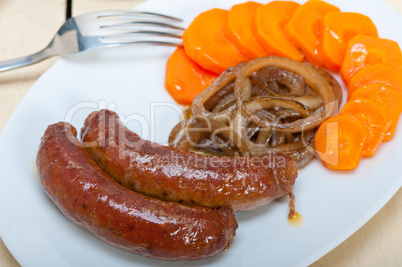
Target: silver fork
[{"x": 105, "y": 29}]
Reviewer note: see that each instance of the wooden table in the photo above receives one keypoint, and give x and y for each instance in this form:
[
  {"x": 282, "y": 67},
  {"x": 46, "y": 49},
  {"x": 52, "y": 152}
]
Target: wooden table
[{"x": 27, "y": 26}]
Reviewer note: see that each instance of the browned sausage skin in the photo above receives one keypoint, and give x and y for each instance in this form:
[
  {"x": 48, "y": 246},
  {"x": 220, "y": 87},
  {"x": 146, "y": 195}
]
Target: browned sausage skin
[
  {"x": 121, "y": 217},
  {"x": 242, "y": 183}
]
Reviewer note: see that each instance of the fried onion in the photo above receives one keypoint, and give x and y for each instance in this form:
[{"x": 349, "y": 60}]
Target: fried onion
[{"x": 268, "y": 105}]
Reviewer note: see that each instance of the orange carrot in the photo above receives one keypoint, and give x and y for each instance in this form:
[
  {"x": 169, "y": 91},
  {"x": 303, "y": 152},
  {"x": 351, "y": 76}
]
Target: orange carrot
[
  {"x": 363, "y": 51},
  {"x": 205, "y": 42},
  {"x": 376, "y": 119},
  {"x": 268, "y": 25},
  {"x": 389, "y": 99},
  {"x": 185, "y": 78},
  {"x": 304, "y": 27},
  {"x": 377, "y": 73},
  {"x": 337, "y": 29},
  {"x": 238, "y": 29},
  {"x": 339, "y": 142}
]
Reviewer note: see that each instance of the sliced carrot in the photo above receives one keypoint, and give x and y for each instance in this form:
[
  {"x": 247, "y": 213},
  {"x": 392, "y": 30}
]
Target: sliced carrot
[
  {"x": 389, "y": 99},
  {"x": 206, "y": 43},
  {"x": 238, "y": 29},
  {"x": 304, "y": 27},
  {"x": 337, "y": 29},
  {"x": 376, "y": 119},
  {"x": 339, "y": 142},
  {"x": 185, "y": 78},
  {"x": 377, "y": 73},
  {"x": 268, "y": 25},
  {"x": 363, "y": 51}
]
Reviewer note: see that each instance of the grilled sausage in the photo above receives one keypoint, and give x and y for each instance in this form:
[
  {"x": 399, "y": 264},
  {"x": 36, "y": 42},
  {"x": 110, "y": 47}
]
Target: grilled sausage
[
  {"x": 121, "y": 217},
  {"x": 242, "y": 183}
]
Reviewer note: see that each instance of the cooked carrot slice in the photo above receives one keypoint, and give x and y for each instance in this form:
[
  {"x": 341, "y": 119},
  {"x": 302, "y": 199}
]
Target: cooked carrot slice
[
  {"x": 206, "y": 43},
  {"x": 337, "y": 29},
  {"x": 389, "y": 99},
  {"x": 339, "y": 142},
  {"x": 268, "y": 25},
  {"x": 377, "y": 73},
  {"x": 304, "y": 28},
  {"x": 376, "y": 119},
  {"x": 238, "y": 29},
  {"x": 363, "y": 51},
  {"x": 185, "y": 78}
]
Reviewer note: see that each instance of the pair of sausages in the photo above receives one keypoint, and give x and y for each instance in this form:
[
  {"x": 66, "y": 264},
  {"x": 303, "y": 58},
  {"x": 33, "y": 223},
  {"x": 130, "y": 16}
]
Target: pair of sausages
[{"x": 139, "y": 220}]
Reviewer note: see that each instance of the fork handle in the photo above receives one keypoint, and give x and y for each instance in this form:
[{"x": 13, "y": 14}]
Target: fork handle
[{"x": 27, "y": 60}]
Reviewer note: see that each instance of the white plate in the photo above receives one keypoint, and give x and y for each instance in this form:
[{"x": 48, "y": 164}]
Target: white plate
[{"x": 334, "y": 204}]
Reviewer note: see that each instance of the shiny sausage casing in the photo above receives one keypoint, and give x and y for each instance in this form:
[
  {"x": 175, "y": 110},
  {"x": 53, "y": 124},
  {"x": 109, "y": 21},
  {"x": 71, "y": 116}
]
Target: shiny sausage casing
[
  {"x": 121, "y": 217},
  {"x": 242, "y": 183}
]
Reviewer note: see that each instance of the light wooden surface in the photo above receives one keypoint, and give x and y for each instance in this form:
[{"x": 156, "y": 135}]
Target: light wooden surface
[{"x": 26, "y": 26}]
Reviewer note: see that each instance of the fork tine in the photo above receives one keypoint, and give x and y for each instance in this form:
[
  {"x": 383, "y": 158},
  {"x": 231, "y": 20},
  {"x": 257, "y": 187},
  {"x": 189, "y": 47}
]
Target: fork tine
[
  {"x": 105, "y": 14},
  {"x": 111, "y": 24},
  {"x": 124, "y": 34},
  {"x": 145, "y": 42}
]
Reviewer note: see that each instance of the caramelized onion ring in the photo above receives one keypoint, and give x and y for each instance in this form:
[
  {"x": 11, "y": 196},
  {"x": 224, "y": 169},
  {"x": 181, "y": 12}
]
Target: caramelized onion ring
[
  {"x": 222, "y": 86},
  {"x": 273, "y": 77},
  {"x": 242, "y": 90}
]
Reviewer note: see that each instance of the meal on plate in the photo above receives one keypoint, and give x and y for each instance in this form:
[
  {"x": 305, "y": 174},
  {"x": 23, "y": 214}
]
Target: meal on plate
[{"x": 257, "y": 114}]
